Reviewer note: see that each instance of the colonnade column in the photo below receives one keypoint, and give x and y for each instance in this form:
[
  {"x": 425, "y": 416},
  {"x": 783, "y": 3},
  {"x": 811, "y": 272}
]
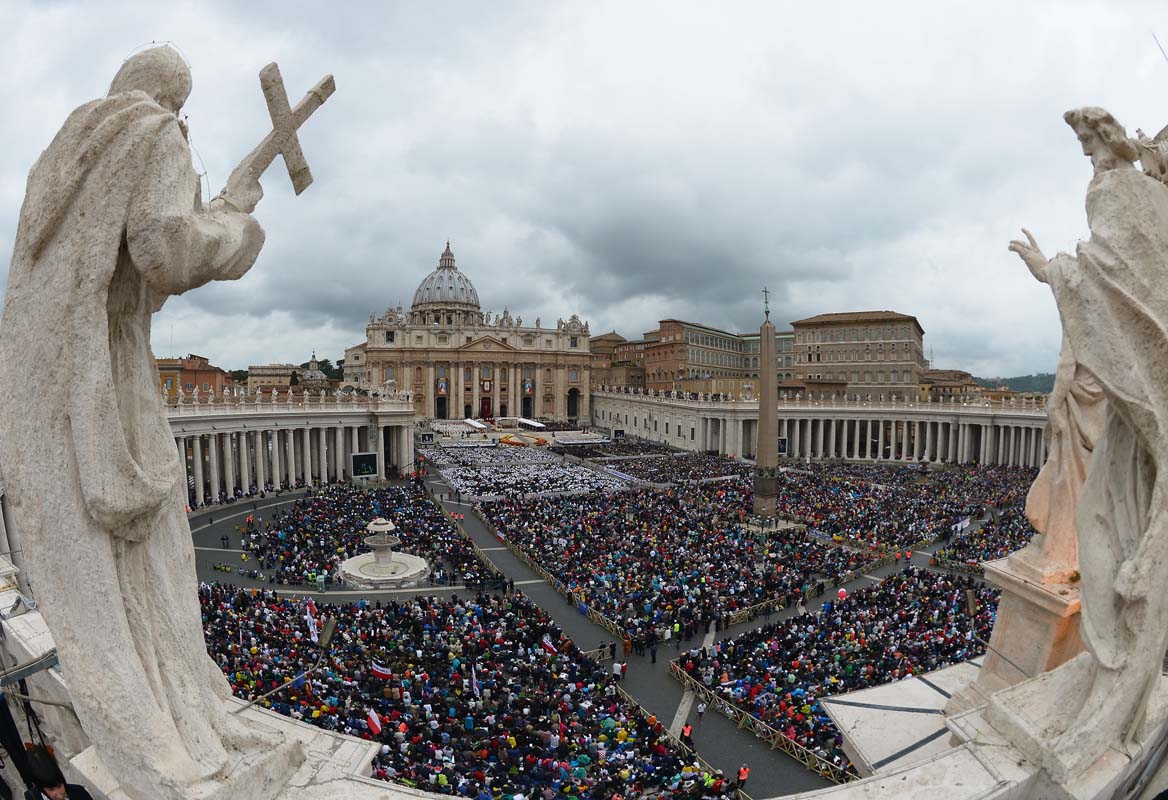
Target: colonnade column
[
  {"x": 229, "y": 463},
  {"x": 290, "y": 456},
  {"x": 819, "y": 439},
  {"x": 198, "y": 471},
  {"x": 892, "y": 440},
  {"x": 929, "y": 454},
  {"x": 244, "y": 458},
  {"x": 261, "y": 454},
  {"x": 213, "y": 461}
]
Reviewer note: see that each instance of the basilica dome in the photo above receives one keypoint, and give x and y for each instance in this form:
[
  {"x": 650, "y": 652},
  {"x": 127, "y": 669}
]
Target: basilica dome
[{"x": 446, "y": 288}]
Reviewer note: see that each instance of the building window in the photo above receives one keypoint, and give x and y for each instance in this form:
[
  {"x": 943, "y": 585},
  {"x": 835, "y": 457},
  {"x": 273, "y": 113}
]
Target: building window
[
  {"x": 485, "y": 371},
  {"x": 389, "y": 373},
  {"x": 170, "y": 383},
  {"x": 572, "y": 341},
  {"x": 692, "y": 435},
  {"x": 907, "y": 376},
  {"x": 528, "y": 340},
  {"x": 389, "y": 336},
  {"x": 443, "y": 339},
  {"x": 468, "y": 339},
  {"x": 206, "y": 387},
  {"x": 573, "y": 376},
  {"x": 418, "y": 374},
  {"x": 467, "y": 375},
  {"x": 503, "y": 372}
]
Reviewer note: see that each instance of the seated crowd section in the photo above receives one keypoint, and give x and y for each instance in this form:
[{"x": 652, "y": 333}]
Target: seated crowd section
[
  {"x": 876, "y": 505},
  {"x": 913, "y": 622},
  {"x": 650, "y": 559},
  {"x": 480, "y": 697}
]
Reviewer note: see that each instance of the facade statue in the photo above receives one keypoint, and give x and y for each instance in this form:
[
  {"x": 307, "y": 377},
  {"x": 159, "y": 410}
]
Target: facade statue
[
  {"x": 112, "y": 226},
  {"x": 1111, "y": 411}
]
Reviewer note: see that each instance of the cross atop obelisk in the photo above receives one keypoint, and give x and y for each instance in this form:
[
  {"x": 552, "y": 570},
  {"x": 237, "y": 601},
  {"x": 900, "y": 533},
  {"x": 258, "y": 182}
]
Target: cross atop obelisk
[{"x": 766, "y": 302}]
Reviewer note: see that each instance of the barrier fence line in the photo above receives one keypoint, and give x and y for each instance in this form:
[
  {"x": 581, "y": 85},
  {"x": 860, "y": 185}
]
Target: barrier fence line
[
  {"x": 762, "y": 730},
  {"x": 964, "y": 567},
  {"x": 644, "y": 713},
  {"x": 478, "y": 551}
]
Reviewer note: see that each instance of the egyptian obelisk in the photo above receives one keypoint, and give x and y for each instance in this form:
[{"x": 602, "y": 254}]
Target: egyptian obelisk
[{"x": 767, "y": 456}]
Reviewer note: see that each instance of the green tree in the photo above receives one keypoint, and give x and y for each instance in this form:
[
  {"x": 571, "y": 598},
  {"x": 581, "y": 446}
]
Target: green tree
[{"x": 240, "y": 375}]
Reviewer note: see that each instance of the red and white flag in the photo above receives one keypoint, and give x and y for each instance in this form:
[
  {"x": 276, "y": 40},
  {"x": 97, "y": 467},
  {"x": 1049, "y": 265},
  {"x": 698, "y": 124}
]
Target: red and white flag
[
  {"x": 474, "y": 682},
  {"x": 381, "y": 672},
  {"x": 374, "y": 722},
  {"x": 310, "y": 618},
  {"x": 548, "y": 645}
]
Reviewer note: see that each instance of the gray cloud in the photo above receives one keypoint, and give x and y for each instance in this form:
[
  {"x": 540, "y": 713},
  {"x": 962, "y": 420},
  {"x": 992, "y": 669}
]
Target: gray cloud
[{"x": 626, "y": 162}]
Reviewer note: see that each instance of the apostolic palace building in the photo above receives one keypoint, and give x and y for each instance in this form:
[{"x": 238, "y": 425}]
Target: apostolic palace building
[{"x": 461, "y": 362}]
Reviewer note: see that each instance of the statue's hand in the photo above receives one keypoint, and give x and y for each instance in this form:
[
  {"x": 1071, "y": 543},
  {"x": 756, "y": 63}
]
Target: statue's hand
[
  {"x": 1134, "y": 580},
  {"x": 1031, "y": 254}
]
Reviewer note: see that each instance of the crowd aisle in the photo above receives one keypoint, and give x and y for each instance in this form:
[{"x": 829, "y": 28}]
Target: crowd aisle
[
  {"x": 913, "y": 622},
  {"x": 481, "y": 697}
]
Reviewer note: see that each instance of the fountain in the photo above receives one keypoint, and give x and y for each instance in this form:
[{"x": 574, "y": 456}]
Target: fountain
[{"x": 382, "y": 567}]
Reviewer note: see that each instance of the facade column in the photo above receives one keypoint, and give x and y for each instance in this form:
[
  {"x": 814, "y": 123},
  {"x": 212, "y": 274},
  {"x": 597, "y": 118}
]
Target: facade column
[
  {"x": 793, "y": 444},
  {"x": 198, "y": 457},
  {"x": 929, "y": 441},
  {"x": 819, "y": 438},
  {"x": 879, "y": 440},
  {"x": 378, "y": 430},
  {"x": 892, "y": 440},
  {"x": 474, "y": 391},
  {"x": 832, "y": 441},
  {"x": 1001, "y": 445}
]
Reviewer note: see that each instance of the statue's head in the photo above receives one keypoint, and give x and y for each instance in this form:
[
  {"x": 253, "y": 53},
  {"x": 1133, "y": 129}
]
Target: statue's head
[
  {"x": 159, "y": 72},
  {"x": 1102, "y": 137}
]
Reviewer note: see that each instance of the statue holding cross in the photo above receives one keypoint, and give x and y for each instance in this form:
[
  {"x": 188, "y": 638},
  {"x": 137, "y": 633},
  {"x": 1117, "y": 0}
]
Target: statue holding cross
[{"x": 111, "y": 227}]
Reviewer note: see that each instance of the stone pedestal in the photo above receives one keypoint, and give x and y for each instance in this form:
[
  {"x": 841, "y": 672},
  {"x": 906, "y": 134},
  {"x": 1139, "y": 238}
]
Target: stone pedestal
[{"x": 1037, "y": 629}]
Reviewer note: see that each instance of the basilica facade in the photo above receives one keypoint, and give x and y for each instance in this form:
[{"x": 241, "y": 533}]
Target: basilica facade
[{"x": 463, "y": 363}]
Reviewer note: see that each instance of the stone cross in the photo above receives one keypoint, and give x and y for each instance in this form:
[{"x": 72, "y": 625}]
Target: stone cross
[{"x": 285, "y": 121}]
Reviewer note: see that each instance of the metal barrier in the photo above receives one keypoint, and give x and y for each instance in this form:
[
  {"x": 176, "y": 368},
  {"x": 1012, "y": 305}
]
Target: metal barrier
[
  {"x": 772, "y": 736},
  {"x": 690, "y": 753}
]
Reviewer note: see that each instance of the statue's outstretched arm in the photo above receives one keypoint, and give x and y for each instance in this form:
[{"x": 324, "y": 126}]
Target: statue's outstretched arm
[{"x": 175, "y": 246}]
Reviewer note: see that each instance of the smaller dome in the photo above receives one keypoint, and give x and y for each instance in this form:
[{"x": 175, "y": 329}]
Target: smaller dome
[{"x": 446, "y": 287}]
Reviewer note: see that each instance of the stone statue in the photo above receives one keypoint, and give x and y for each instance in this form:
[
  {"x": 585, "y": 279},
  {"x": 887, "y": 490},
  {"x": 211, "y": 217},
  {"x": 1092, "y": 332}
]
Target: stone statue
[
  {"x": 1111, "y": 403},
  {"x": 112, "y": 226}
]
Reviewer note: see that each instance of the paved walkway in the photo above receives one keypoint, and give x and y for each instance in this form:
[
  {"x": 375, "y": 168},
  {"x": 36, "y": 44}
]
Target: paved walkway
[{"x": 718, "y": 740}]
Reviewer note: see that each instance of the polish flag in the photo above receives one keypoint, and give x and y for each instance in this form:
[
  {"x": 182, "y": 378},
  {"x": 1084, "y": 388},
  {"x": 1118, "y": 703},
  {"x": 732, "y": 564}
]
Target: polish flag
[
  {"x": 374, "y": 722},
  {"x": 310, "y": 618},
  {"x": 381, "y": 672},
  {"x": 548, "y": 645}
]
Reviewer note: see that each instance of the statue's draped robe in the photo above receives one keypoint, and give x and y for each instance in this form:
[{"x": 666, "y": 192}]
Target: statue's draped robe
[
  {"x": 1113, "y": 300},
  {"x": 110, "y": 227},
  {"x": 1076, "y": 414}
]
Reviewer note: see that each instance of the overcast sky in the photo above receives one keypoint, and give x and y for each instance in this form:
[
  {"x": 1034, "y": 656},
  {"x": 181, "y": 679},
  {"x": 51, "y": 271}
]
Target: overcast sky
[{"x": 625, "y": 161}]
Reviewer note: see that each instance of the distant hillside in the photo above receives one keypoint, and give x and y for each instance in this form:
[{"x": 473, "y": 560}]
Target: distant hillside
[{"x": 1042, "y": 382}]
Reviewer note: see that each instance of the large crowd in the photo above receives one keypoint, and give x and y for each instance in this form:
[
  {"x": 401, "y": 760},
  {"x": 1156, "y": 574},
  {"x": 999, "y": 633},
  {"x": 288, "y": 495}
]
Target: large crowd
[
  {"x": 306, "y": 542},
  {"x": 682, "y": 468},
  {"x": 618, "y": 448},
  {"x": 899, "y": 507},
  {"x": 998, "y": 537},
  {"x": 480, "y": 697},
  {"x": 667, "y": 562},
  {"x": 494, "y": 472},
  {"x": 913, "y": 622}
]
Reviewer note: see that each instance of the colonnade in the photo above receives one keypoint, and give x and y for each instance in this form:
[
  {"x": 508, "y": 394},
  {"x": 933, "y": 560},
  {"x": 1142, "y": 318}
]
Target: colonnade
[
  {"x": 914, "y": 440},
  {"x": 229, "y": 463}
]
